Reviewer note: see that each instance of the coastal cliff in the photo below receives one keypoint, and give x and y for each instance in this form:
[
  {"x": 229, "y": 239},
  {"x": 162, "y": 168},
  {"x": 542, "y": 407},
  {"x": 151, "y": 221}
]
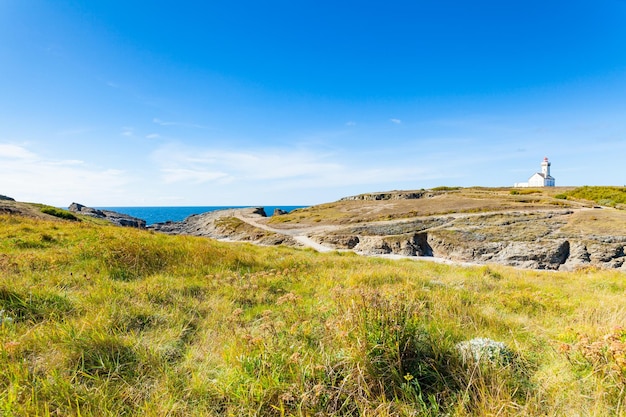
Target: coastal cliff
[
  {"x": 482, "y": 226},
  {"x": 534, "y": 229}
]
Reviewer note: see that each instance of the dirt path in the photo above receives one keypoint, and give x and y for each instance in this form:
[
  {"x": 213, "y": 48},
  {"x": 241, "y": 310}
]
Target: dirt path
[{"x": 300, "y": 235}]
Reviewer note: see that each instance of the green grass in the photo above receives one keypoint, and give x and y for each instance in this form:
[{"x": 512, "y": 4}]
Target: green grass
[
  {"x": 99, "y": 320},
  {"x": 525, "y": 191}
]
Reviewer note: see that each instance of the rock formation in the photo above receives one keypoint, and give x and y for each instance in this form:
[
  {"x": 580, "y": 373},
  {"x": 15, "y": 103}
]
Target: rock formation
[
  {"x": 226, "y": 225},
  {"x": 114, "y": 217}
]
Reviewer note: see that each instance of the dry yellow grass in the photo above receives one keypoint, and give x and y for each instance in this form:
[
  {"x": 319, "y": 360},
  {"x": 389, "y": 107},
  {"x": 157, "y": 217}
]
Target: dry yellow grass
[{"x": 604, "y": 222}]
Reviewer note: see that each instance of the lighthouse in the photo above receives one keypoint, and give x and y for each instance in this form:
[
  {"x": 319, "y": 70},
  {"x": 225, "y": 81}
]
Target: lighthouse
[
  {"x": 540, "y": 179},
  {"x": 545, "y": 167}
]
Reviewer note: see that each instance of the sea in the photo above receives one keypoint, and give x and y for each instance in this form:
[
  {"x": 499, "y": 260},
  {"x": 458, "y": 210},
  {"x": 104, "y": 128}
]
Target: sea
[{"x": 162, "y": 214}]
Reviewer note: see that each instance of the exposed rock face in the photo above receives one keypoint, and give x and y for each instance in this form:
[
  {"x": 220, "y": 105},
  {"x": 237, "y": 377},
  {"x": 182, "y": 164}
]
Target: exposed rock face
[
  {"x": 399, "y": 195},
  {"x": 279, "y": 212},
  {"x": 111, "y": 216},
  {"x": 337, "y": 241},
  {"x": 534, "y": 255},
  {"x": 526, "y": 240},
  {"x": 4, "y": 197},
  {"x": 578, "y": 257}
]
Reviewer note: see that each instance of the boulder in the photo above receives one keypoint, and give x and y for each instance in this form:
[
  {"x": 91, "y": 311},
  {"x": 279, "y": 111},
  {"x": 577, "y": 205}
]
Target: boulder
[
  {"x": 578, "y": 258},
  {"x": 483, "y": 350},
  {"x": 257, "y": 211},
  {"x": 337, "y": 241},
  {"x": 547, "y": 254}
]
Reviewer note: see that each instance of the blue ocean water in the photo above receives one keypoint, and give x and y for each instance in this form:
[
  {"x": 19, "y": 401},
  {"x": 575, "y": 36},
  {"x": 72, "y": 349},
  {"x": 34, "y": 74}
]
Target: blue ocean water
[{"x": 162, "y": 214}]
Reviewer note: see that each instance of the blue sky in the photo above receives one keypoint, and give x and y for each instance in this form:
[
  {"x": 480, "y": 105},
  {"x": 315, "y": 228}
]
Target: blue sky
[{"x": 112, "y": 103}]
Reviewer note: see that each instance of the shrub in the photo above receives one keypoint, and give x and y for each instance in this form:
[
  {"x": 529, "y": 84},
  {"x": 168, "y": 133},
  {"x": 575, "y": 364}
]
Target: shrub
[
  {"x": 402, "y": 359},
  {"x": 60, "y": 213},
  {"x": 525, "y": 192},
  {"x": 608, "y": 196},
  {"x": 445, "y": 188},
  {"x": 603, "y": 359}
]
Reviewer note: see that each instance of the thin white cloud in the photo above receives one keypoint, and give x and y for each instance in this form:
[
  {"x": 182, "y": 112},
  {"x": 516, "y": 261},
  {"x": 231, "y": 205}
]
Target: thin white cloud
[
  {"x": 10, "y": 151},
  {"x": 153, "y": 136},
  {"x": 180, "y": 124},
  {"x": 351, "y": 123},
  {"x": 396, "y": 121},
  {"x": 74, "y": 131},
  {"x": 67, "y": 162},
  {"x": 286, "y": 168},
  {"x": 128, "y": 131},
  {"x": 28, "y": 176},
  {"x": 172, "y": 175}
]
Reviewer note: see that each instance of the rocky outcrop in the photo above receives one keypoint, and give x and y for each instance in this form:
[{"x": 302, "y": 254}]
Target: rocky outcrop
[
  {"x": 4, "y": 197},
  {"x": 114, "y": 217},
  {"x": 337, "y": 241},
  {"x": 578, "y": 258},
  {"x": 534, "y": 255},
  {"x": 398, "y": 195},
  {"x": 207, "y": 224},
  {"x": 226, "y": 225}
]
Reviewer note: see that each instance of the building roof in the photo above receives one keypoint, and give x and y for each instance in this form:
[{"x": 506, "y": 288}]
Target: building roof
[{"x": 542, "y": 175}]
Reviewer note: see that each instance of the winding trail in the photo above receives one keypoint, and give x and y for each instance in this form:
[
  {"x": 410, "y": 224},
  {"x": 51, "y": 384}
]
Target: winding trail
[{"x": 299, "y": 235}]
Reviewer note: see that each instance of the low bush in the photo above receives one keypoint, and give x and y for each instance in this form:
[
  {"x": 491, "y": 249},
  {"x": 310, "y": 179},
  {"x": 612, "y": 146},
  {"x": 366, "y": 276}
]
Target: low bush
[
  {"x": 606, "y": 196},
  {"x": 524, "y": 192},
  {"x": 60, "y": 213},
  {"x": 445, "y": 188}
]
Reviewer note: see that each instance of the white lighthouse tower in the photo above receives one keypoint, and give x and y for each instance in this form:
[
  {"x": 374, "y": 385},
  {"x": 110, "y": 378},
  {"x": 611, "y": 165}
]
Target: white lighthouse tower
[
  {"x": 540, "y": 179},
  {"x": 543, "y": 178}
]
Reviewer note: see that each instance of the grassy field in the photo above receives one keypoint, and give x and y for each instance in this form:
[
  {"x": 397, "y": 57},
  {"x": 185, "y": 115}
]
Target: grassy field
[{"x": 104, "y": 321}]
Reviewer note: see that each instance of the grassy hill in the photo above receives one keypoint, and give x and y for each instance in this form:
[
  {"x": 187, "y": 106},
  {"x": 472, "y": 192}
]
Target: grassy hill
[
  {"x": 408, "y": 204},
  {"x": 100, "y": 320}
]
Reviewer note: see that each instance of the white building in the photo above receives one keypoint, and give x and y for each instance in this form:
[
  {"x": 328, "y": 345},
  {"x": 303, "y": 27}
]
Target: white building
[{"x": 539, "y": 179}]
